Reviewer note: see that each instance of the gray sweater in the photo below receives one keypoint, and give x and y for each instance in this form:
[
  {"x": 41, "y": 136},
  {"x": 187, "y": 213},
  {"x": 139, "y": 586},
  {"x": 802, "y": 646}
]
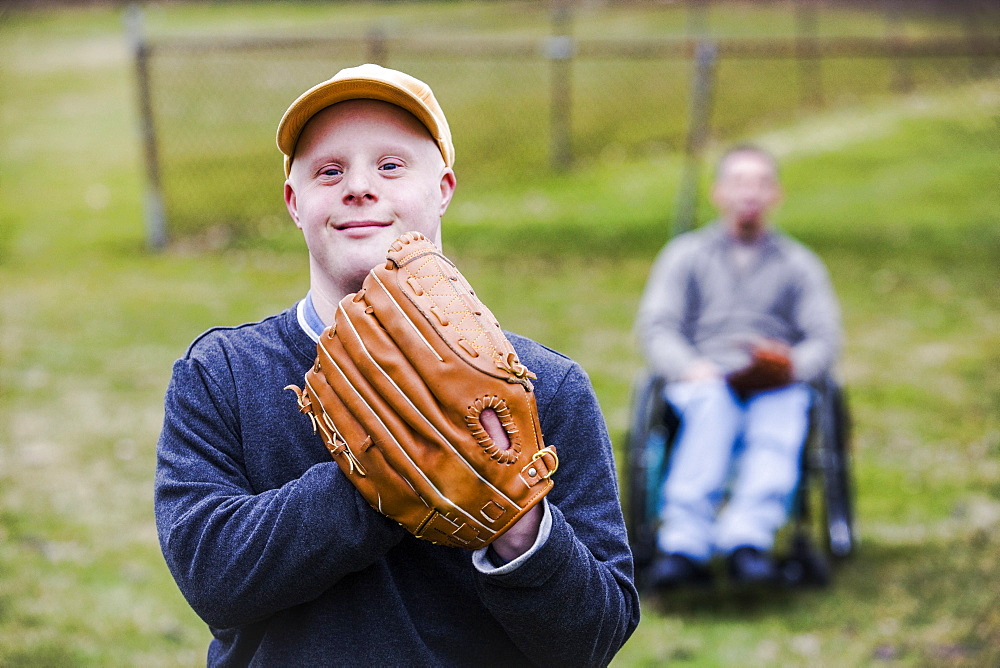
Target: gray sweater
[
  {"x": 275, "y": 549},
  {"x": 701, "y": 301}
]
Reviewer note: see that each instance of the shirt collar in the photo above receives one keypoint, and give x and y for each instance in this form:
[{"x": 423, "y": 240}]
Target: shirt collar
[
  {"x": 722, "y": 237},
  {"x": 308, "y": 318}
]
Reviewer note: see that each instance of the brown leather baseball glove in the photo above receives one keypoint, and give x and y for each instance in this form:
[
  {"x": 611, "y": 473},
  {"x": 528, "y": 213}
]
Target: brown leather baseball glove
[
  {"x": 769, "y": 368},
  {"x": 421, "y": 400}
]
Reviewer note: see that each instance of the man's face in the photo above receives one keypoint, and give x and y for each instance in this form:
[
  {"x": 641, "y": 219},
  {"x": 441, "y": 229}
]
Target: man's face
[
  {"x": 364, "y": 173},
  {"x": 745, "y": 192}
]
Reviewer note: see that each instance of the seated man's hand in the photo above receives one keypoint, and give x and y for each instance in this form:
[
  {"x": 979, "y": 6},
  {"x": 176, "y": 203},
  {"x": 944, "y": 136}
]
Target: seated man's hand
[{"x": 702, "y": 369}]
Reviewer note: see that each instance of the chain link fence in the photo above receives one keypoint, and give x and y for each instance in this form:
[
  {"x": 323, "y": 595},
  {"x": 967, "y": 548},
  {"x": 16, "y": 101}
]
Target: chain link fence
[{"x": 556, "y": 84}]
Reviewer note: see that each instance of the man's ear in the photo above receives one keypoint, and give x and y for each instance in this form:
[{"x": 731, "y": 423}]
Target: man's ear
[
  {"x": 292, "y": 203},
  {"x": 714, "y": 196},
  {"x": 448, "y": 183}
]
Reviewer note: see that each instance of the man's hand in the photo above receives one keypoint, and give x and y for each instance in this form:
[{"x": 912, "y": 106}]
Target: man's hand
[
  {"x": 702, "y": 369},
  {"x": 520, "y": 537},
  {"x": 773, "y": 347}
]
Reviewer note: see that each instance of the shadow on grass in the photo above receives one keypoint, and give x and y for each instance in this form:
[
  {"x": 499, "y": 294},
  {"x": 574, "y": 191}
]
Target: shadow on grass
[
  {"x": 934, "y": 602},
  {"x": 725, "y": 601}
]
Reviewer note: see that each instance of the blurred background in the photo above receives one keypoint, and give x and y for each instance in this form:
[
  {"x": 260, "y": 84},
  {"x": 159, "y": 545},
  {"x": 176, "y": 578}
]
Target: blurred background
[{"x": 140, "y": 204}]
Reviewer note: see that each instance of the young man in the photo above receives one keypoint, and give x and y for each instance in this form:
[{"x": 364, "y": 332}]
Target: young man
[
  {"x": 268, "y": 540},
  {"x": 715, "y": 299}
]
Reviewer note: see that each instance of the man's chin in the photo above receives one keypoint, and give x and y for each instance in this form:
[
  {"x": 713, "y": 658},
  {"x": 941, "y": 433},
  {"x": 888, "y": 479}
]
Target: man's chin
[{"x": 750, "y": 225}]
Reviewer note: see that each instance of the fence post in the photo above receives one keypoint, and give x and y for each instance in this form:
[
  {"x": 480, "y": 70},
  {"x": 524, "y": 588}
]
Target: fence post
[
  {"x": 702, "y": 88},
  {"x": 902, "y": 77},
  {"x": 807, "y": 53},
  {"x": 697, "y": 18},
  {"x": 976, "y": 19},
  {"x": 378, "y": 50},
  {"x": 559, "y": 50},
  {"x": 156, "y": 223}
]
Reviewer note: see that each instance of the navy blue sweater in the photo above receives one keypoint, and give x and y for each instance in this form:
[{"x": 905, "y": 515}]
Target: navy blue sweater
[{"x": 274, "y": 548}]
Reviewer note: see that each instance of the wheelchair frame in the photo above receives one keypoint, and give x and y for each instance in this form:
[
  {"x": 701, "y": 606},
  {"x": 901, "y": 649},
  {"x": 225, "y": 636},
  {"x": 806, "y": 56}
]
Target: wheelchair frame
[{"x": 822, "y": 511}]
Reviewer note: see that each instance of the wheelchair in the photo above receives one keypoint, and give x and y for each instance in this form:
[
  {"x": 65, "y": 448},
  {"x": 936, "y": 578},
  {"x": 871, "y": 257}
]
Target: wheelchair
[{"x": 820, "y": 529}]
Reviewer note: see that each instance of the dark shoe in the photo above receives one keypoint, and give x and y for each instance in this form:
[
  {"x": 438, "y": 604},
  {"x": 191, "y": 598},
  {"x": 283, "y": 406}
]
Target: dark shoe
[
  {"x": 805, "y": 565},
  {"x": 749, "y": 565},
  {"x": 670, "y": 570}
]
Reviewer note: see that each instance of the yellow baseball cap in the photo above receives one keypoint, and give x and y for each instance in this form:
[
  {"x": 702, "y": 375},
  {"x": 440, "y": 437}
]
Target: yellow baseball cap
[{"x": 366, "y": 82}]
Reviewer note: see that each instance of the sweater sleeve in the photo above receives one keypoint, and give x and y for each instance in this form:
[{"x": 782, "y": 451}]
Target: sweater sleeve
[
  {"x": 818, "y": 319},
  {"x": 238, "y": 554},
  {"x": 580, "y": 581},
  {"x": 663, "y": 310}
]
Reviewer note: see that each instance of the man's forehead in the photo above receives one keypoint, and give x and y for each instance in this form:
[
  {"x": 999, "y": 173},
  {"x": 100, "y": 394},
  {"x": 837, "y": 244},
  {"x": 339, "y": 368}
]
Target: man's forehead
[{"x": 747, "y": 162}]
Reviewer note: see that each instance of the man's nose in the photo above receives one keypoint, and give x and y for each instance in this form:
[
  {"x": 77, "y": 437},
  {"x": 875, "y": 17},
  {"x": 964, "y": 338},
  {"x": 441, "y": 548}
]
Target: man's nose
[{"x": 358, "y": 187}]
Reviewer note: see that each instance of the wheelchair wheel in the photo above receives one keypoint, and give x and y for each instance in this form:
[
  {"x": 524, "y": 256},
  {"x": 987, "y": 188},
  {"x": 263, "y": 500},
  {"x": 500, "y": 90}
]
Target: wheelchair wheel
[
  {"x": 650, "y": 432},
  {"x": 824, "y": 505},
  {"x": 838, "y": 485}
]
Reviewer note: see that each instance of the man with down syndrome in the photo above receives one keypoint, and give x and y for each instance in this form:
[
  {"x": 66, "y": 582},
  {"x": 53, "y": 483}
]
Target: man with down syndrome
[{"x": 265, "y": 535}]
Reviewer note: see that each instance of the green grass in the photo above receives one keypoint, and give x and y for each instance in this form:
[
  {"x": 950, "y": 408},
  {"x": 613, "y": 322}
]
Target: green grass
[{"x": 897, "y": 194}]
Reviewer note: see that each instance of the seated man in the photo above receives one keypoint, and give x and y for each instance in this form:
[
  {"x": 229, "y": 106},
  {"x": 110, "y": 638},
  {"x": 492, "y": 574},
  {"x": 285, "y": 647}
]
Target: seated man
[{"x": 738, "y": 319}]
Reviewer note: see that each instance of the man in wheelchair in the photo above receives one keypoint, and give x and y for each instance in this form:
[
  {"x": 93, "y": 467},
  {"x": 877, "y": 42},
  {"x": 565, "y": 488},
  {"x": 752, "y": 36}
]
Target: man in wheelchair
[{"x": 738, "y": 319}]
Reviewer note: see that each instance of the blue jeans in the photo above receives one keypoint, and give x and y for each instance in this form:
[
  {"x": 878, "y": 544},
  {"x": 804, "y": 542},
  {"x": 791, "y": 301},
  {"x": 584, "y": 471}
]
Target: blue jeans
[{"x": 752, "y": 449}]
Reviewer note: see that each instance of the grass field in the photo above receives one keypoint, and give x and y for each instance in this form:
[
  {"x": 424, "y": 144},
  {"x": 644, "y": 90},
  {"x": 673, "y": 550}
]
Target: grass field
[{"x": 897, "y": 194}]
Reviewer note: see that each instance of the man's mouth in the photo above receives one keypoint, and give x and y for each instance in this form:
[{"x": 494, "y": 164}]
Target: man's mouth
[{"x": 356, "y": 224}]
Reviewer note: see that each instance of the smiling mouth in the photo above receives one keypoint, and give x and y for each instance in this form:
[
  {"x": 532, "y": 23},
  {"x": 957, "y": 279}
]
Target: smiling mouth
[{"x": 354, "y": 224}]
